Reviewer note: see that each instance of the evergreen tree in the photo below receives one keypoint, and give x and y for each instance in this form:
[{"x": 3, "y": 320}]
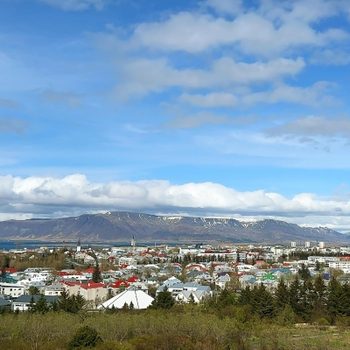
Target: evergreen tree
[
  {"x": 33, "y": 290},
  {"x": 163, "y": 300},
  {"x": 96, "y": 275},
  {"x": 262, "y": 302},
  {"x": 334, "y": 296},
  {"x": 85, "y": 337},
  {"x": 294, "y": 295},
  {"x": 41, "y": 305},
  {"x": 245, "y": 297},
  {"x": 31, "y": 305},
  {"x": 281, "y": 295},
  {"x": 304, "y": 272},
  {"x": 320, "y": 294}
]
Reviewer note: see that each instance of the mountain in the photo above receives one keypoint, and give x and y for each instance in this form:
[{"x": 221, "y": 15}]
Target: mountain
[{"x": 121, "y": 226}]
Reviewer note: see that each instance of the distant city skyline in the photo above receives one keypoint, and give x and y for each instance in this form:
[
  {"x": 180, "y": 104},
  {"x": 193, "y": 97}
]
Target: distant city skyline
[{"x": 208, "y": 107}]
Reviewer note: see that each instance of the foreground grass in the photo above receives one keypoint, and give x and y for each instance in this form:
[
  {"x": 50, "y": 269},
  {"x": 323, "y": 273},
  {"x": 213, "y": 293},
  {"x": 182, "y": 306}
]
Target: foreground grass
[{"x": 183, "y": 328}]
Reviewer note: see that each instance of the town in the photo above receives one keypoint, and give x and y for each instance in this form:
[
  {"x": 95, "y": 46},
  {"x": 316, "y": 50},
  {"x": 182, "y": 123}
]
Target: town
[{"x": 132, "y": 277}]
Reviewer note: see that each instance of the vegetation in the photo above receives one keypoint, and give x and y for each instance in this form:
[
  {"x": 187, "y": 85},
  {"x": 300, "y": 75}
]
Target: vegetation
[
  {"x": 85, "y": 337},
  {"x": 182, "y": 327}
]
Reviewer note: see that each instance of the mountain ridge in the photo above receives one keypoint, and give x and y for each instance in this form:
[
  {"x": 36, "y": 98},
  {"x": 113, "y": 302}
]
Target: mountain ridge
[{"x": 121, "y": 226}]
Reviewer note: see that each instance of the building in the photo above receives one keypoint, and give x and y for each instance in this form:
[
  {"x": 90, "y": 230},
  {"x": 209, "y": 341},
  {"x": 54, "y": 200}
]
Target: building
[
  {"x": 23, "y": 303},
  {"x": 12, "y": 290},
  {"x": 138, "y": 300}
]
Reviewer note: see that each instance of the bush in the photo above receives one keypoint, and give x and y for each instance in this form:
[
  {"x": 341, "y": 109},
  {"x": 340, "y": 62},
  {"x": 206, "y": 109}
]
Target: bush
[{"x": 85, "y": 337}]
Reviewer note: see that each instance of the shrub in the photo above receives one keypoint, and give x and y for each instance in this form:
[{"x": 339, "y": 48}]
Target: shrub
[{"x": 85, "y": 337}]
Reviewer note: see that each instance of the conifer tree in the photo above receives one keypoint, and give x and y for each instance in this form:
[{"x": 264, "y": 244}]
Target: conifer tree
[
  {"x": 163, "y": 300},
  {"x": 334, "y": 296},
  {"x": 281, "y": 295},
  {"x": 41, "y": 305}
]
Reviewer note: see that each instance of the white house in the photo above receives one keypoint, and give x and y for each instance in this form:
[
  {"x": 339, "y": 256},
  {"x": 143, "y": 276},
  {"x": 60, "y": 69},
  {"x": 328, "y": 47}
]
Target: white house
[
  {"x": 12, "y": 290},
  {"x": 23, "y": 302}
]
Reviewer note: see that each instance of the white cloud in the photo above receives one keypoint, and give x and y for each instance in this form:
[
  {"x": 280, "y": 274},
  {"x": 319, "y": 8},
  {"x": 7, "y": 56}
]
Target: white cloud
[
  {"x": 251, "y": 32},
  {"x": 76, "y": 5},
  {"x": 210, "y": 100},
  {"x": 75, "y": 191},
  {"x": 314, "y": 95},
  {"x": 143, "y": 76}
]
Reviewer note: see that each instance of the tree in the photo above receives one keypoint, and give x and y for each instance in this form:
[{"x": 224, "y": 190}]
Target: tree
[
  {"x": 41, "y": 305},
  {"x": 72, "y": 304},
  {"x": 281, "y": 295},
  {"x": 163, "y": 300},
  {"x": 262, "y": 301},
  {"x": 334, "y": 297},
  {"x": 5, "y": 264},
  {"x": 96, "y": 275},
  {"x": 304, "y": 272},
  {"x": 33, "y": 290},
  {"x": 85, "y": 337}
]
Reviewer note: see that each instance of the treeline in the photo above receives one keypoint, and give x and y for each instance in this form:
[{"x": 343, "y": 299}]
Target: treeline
[
  {"x": 302, "y": 300},
  {"x": 65, "y": 302}
]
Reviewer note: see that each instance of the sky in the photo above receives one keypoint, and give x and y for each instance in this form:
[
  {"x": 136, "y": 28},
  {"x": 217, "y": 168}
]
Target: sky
[{"x": 223, "y": 108}]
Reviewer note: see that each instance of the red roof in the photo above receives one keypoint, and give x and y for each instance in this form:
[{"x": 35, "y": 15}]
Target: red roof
[
  {"x": 90, "y": 270},
  {"x": 10, "y": 270},
  {"x": 91, "y": 285},
  {"x": 119, "y": 284},
  {"x": 133, "y": 279}
]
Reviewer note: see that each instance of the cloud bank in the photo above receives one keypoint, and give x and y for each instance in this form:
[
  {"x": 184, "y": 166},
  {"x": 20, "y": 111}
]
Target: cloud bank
[{"x": 73, "y": 194}]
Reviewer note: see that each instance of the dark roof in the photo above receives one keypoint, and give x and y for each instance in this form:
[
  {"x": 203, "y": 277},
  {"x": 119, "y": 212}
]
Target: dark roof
[
  {"x": 27, "y": 298},
  {"x": 4, "y": 302}
]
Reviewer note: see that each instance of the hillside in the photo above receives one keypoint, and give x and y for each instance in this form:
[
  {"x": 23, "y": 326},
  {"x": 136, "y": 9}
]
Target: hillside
[{"x": 121, "y": 226}]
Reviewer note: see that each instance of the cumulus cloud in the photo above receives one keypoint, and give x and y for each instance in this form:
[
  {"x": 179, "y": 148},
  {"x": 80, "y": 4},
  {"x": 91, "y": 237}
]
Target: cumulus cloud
[
  {"x": 253, "y": 32},
  {"x": 76, "y": 193},
  {"x": 76, "y": 5}
]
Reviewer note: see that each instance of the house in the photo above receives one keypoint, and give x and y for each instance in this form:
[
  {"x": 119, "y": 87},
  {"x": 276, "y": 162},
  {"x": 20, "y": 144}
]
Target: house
[
  {"x": 177, "y": 288},
  {"x": 12, "y": 290},
  {"x": 54, "y": 289},
  {"x": 23, "y": 302},
  {"x": 222, "y": 280},
  {"x": 187, "y": 296},
  {"x": 139, "y": 300}
]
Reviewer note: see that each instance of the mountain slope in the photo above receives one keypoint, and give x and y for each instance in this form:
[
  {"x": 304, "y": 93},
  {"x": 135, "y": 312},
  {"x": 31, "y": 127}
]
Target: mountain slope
[{"x": 121, "y": 226}]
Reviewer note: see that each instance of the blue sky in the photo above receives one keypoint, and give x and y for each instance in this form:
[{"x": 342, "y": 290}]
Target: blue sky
[{"x": 211, "y": 107}]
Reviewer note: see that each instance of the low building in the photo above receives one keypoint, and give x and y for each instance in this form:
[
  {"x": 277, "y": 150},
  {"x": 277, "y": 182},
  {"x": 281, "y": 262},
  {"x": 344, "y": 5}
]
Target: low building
[
  {"x": 24, "y": 302},
  {"x": 12, "y": 290}
]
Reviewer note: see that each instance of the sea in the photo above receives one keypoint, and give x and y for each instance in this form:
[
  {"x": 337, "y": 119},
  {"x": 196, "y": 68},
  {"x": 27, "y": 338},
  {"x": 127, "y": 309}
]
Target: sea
[
  {"x": 27, "y": 244},
  {"x": 19, "y": 245}
]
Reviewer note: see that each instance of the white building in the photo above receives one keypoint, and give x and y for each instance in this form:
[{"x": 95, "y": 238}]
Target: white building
[
  {"x": 12, "y": 290},
  {"x": 139, "y": 300},
  {"x": 340, "y": 265}
]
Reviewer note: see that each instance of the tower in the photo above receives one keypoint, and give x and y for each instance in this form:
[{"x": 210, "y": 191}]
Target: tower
[
  {"x": 78, "y": 246},
  {"x": 133, "y": 243}
]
